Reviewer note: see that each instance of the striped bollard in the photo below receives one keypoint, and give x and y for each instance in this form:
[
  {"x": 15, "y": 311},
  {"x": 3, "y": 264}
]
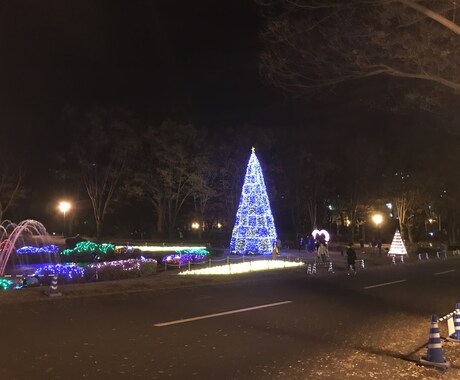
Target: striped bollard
[
  {"x": 435, "y": 354},
  {"x": 419, "y": 256},
  {"x": 362, "y": 264},
  {"x": 53, "y": 290},
  {"x": 330, "y": 270},
  {"x": 402, "y": 259},
  {"x": 426, "y": 256},
  {"x": 437, "y": 255},
  {"x": 308, "y": 269},
  {"x": 393, "y": 260},
  {"x": 313, "y": 269},
  {"x": 455, "y": 337}
]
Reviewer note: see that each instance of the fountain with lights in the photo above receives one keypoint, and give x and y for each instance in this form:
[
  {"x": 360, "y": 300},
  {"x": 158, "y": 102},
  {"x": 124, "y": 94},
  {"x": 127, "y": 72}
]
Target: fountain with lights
[{"x": 25, "y": 245}]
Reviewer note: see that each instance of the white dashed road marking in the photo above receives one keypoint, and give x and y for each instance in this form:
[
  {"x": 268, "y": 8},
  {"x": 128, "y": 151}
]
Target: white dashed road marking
[{"x": 220, "y": 314}]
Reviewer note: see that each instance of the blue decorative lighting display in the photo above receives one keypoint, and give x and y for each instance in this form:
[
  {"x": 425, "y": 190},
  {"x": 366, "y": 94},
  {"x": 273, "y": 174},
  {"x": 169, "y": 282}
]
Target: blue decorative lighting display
[
  {"x": 183, "y": 256},
  {"x": 254, "y": 231},
  {"x": 63, "y": 271},
  {"x": 26, "y": 250}
]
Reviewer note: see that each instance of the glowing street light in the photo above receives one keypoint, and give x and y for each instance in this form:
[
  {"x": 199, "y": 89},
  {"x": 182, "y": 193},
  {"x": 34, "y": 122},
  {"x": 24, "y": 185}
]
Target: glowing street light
[
  {"x": 64, "y": 207},
  {"x": 195, "y": 225},
  {"x": 377, "y": 219}
]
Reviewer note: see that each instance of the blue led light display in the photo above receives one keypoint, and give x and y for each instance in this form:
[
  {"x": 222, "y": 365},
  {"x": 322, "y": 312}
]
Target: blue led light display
[{"x": 254, "y": 231}]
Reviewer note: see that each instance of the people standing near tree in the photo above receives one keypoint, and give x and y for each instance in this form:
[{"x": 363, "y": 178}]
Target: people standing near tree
[
  {"x": 322, "y": 252},
  {"x": 351, "y": 259},
  {"x": 310, "y": 244},
  {"x": 275, "y": 251}
]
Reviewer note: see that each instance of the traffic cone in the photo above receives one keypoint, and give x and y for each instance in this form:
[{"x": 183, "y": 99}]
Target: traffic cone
[
  {"x": 309, "y": 269},
  {"x": 455, "y": 337},
  {"x": 53, "y": 290},
  {"x": 330, "y": 270},
  {"x": 435, "y": 354}
]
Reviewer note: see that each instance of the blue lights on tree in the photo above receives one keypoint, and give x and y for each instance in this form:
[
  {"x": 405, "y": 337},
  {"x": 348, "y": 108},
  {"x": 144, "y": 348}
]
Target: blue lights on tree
[{"x": 254, "y": 231}]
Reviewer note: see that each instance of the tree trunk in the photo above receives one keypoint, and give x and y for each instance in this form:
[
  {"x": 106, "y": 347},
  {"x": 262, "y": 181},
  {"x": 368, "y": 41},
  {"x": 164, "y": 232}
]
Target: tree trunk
[{"x": 410, "y": 234}]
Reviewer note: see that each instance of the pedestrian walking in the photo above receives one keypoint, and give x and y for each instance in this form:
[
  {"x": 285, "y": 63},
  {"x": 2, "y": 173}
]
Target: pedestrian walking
[
  {"x": 351, "y": 259},
  {"x": 275, "y": 251},
  {"x": 322, "y": 253}
]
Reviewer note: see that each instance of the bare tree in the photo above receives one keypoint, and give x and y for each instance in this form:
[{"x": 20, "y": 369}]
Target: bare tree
[
  {"x": 204, "y": 188},
  {"x": 168, "y": 173},
  {"x": 101, "y": 149},
  {"x": 315, "y": 44},
  {"x": 10, "y": 188}
]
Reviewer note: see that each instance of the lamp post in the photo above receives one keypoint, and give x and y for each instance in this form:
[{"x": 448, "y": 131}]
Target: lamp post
[
  {"x": 377, "y": 219},
  {"x": 63, "y": 207}
]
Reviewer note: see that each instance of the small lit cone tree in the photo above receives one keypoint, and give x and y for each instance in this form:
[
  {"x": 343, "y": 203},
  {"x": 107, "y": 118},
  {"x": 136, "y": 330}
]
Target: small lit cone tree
[
  {"x": 254, "y": 230},
  {"x": 397, "y": 245}
]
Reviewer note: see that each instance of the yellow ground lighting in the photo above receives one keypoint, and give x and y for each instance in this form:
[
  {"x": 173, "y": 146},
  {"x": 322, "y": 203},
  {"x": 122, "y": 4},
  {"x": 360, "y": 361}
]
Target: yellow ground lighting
[
  {"x": 158, "y": 248},
  {"x": 248, "y": 266}
]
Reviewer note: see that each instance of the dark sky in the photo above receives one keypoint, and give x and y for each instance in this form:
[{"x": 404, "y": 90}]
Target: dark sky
[
  {"x": 196, "y": 61},
  {"x": 191, "y": 61}
]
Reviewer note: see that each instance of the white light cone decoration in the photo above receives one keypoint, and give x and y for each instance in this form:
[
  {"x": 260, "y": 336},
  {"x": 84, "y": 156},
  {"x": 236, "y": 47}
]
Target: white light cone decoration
[{"x": 397, "y": 245}]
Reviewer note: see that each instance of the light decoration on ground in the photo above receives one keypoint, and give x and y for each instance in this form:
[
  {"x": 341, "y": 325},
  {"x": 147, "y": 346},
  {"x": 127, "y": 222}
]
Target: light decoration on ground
[
  {"x": 70, "y": 271},
  {"x": 397, "y": 245},
  {"x": 126, "y": 265},
  {"x": 317, "y": 233},
  {"x": 5, "y": 284},
  {"x": 155, "y": 248},
  {"x": 254, "y": 231},
  {"x": 186, "y": 255},
  {"x": 246, "y": 267},
  {"x": 90, "y": 247},
  {"x": 35, "y": 250}
]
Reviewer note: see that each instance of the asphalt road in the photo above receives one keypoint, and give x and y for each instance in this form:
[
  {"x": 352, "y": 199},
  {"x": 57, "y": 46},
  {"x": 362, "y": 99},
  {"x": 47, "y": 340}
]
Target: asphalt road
[{"x": 278, "y": 324}]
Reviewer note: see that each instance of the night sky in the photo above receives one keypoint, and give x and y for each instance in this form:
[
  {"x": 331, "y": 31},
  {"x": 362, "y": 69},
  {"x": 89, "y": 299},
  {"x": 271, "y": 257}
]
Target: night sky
[
  {"x": 191, "y": 61},
  {"x": 194, "y": 62}
]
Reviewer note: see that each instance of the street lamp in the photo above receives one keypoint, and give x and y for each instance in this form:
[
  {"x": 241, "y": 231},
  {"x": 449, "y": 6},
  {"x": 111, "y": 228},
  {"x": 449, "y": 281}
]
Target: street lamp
[
  {"x": 64, "y": 207},
  {"x": 377, "y": 219}
]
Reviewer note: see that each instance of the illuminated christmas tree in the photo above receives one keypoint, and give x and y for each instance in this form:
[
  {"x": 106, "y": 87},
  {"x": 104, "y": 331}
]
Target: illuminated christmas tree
[
  {"x": 397, "y": 245},
  {"x": 254, "y": 230}
]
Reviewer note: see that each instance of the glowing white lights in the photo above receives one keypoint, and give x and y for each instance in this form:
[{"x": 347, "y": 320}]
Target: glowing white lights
[
  {"x": 321, "y": 232},
  {"x": 195, "y": 225},
  {"x": 377, "y": 219},
  {"x": 248, "y": 266},
  {"x": 64, "y": 206},
  {"x": 157, "y": 248},
  {"x": 397, "y": 245}
]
